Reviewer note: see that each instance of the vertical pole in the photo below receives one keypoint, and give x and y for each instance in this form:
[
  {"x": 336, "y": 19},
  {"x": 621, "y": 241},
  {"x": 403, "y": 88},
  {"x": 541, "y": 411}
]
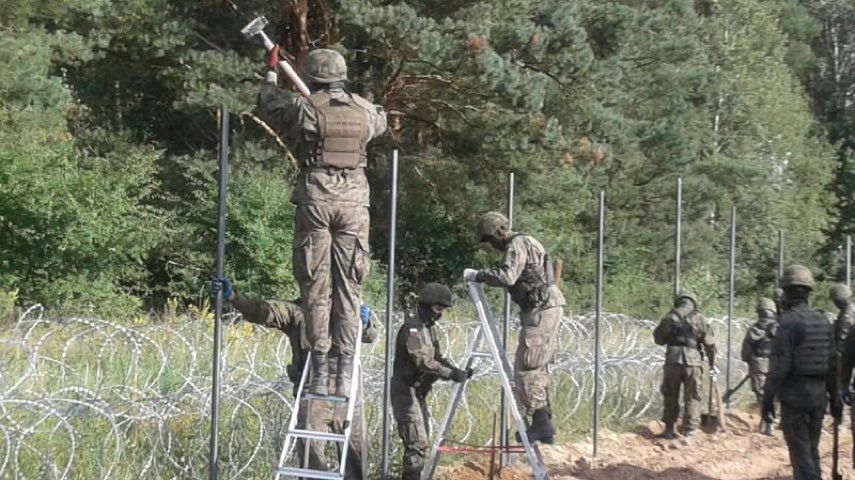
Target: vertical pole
[
  {"x": 780, "y": 258},
  {"x": 730, "y": 297},
  {"x": 848, "y": 260},
  {"x": 390, "y": 293},
  {"x": 599, "y": 312},
  {"x": 678, "y": 242},
  {"x": 504, "y": 433},
  {"x": 213, "y": 454}
]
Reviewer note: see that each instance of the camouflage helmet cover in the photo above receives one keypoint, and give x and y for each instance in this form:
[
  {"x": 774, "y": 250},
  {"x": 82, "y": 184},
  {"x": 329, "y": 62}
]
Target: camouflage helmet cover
[
  {"x": 436, "y": 294},
  {"x": 764, "y": 303},
  {"x": 840, "y": 292},
  {"x": 686, "y": 294},
  {"x": 797, "y": 276},
  {"x": 326, "y": 66},
  {"x": 488, "y": 224}
]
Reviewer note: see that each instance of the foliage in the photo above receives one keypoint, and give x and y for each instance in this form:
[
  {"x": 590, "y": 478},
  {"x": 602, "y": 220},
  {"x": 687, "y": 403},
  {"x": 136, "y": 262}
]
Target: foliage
[{"x": 108, "y": 133}]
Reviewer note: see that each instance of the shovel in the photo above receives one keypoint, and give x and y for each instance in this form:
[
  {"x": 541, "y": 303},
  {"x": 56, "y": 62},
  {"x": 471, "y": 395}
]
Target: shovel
[{"x": 714, "y": 415}]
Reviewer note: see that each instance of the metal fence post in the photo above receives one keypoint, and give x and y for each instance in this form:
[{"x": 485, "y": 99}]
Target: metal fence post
[
  {"x": 222, "y": 181},
  {"x": 390, "y": 293},
  {"x": 678, "y": 241},
  {"x": 598, "y": 318},
  {"x": 730, "y": 297},
  {"x": 504, "y": 433}
]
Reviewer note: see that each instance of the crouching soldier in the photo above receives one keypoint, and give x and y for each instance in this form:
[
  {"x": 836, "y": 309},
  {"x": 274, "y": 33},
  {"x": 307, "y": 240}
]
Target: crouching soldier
[
  {"x": 287, "y": 317},
  {"x": 418, "y": 364},
  {"x": 685, "y": 331}
]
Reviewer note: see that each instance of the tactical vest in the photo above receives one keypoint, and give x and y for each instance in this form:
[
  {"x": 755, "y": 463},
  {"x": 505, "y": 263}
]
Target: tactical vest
[
  {"x": 813, "y": 349},
  {"x": 532, "y": 288},
  {"x": 342, "y": 133},
  {"x": 683, "y": 334}
]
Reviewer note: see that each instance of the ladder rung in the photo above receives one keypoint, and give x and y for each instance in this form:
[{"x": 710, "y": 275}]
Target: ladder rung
[
  {"x": 481, "y": 355},
  {"x": 312, "y": 435},
  {"x": 307, "y": 473},
  {"x": 324, "y": 398}
]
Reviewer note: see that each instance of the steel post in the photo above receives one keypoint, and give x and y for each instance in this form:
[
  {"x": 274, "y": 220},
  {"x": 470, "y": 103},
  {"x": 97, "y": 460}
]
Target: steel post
[
  {"x": 222, "y": 181},
  {"x": 678, "y": 236},
  {"x": 780, "y": 258},
  {"x": 848, "y": 260},
  {"x": 390, "y": 293},
  {"x": 598, "y": 318},
  {"x": 504, "y": 433},
  {"x": 730, "y": 297}
]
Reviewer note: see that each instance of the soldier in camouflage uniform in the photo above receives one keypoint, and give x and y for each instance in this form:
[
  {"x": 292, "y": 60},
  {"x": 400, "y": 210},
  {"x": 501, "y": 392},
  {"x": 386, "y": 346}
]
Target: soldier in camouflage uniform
[
  {"x": 526, "y": 271},
  {"x": 757, "y": 345},
  {"x": 287, "y": 317},
  {"x": 331, "y": 129},
  {"x": 799, "y": 373},
  {"x": 841, "y": 295},
  {"x": 418, "y": 364},
  {"x": 848, "y": 355},
  {"x": 685, "y": 332}
]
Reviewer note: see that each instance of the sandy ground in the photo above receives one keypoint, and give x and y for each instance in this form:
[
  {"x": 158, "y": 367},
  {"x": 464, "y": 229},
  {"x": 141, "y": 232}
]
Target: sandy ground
[{"x": 738, "y": 453}]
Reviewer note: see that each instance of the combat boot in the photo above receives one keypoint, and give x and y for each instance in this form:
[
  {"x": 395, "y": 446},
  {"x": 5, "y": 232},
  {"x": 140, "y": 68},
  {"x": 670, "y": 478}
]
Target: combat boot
[
  {"x": 670, "y": 432},
  {"x": 541, "y": 429},
  {"x": 344, "y": 379},
  {"x": 767, "y": 427},
  {"x": 320, "y": 374},
  {"x": 690, "y": 432}
]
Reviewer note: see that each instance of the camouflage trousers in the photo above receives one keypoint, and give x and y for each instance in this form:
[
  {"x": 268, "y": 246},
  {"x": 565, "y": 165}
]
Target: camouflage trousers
[
  {"x": 411, "y": 414},
  {"x": 802, "y": 429},
  {"x": 689, "y": 378},
  {"x": 758, "y": 368},
  {"x": 534, "y": 353},
  {"x": 330, "y": 262},
  {"x": 330, "y": 417}
]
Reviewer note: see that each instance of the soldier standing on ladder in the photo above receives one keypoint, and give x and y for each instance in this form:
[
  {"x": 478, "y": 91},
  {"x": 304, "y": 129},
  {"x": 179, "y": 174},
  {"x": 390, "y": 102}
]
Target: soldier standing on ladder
[
  {"x": 332, "y": 128},
  {"x": 526, "y": 271}
]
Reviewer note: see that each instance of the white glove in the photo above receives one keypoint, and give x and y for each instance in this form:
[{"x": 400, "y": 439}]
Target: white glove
[
  {"x": 714, "y": 372},
  {"x": 469, "y": 274}
]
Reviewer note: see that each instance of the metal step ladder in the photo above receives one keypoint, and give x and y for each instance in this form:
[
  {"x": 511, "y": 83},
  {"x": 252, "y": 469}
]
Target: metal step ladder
[
  {"x": 287, "y": 458},
  {"x": 486, "y": 331}
]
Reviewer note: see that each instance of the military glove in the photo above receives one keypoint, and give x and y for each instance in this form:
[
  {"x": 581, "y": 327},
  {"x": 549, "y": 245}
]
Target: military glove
[
  {"x": 714, "y": 371},
  {"x": 273, "y": 57},
  {"x": 222, "y": 284},
  {"x": 365, "y": 316},
  {"x": 470, "y": 274},
  {"x": 846, "y": 396},
  {"x": 458, "y": 375}
]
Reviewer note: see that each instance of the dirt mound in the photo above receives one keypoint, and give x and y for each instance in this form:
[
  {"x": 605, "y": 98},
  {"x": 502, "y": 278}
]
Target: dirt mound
[{"x": 738, "y": 453}]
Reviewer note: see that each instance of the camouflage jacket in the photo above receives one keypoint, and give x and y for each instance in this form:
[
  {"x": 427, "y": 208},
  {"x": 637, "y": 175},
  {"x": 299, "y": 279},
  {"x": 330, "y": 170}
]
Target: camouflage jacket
[
  {"x": 524, "y": 271},
  {"x": 758, "y": 339},
  {"x": 842, "y": 325},
  {"x": 685, "y": 331},
  {"x": 418, "y": 360},
  {"x": 293, "y": 117}
]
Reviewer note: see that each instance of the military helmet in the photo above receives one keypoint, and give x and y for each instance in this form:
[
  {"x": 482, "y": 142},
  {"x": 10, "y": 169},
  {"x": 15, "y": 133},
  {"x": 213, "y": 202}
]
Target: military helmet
[
  {"x": 326, "y": 66},
  {"x": 797, "y": 276},
  {"x": 840, "y": 292},
  {"x": 686, "y": 294},
  {"x": 489, "y": 224},
  {"x": 764, "y": 303},
  {"x": 436, "y": 294}
]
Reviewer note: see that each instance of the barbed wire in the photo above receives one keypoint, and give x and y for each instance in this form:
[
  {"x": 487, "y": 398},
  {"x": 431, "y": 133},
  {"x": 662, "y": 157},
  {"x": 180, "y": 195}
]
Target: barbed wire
[{"x": 87, "y": 398}]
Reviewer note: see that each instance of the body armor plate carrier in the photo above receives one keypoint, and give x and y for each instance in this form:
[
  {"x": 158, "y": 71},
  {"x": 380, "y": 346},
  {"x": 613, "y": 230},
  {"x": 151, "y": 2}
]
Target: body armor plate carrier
[
  {"x": 683, "y": 333},
  {"x": 342, "y": 133},
  {"x": 813, "y": 350}
]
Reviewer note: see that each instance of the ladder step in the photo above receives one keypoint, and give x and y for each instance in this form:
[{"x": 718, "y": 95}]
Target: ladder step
[
  {"x": 324, "y": 398},
  {"x": 481, "y": 355},
  {"x": 307, "y": 473},
  {"x": 313, "y": 435}
]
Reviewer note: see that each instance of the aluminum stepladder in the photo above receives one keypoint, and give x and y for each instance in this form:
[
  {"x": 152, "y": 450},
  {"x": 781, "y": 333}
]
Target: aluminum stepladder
[
  {"x": 486, "y": 331},
  {"x": 306, "y": 400}
]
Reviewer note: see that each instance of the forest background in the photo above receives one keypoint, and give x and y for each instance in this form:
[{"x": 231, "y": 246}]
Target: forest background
[{"x": 108, "y": 137}]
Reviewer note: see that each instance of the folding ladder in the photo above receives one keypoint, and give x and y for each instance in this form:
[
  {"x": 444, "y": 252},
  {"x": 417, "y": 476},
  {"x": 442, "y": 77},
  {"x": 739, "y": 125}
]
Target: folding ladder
[
  {"x": 486, "y": 331},
  {"x": 306, "y": 400}
]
